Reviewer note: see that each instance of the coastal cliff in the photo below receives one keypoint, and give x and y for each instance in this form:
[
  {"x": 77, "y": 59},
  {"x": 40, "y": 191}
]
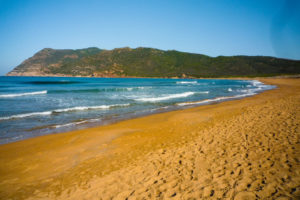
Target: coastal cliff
[{"x": 149, "y": 62}]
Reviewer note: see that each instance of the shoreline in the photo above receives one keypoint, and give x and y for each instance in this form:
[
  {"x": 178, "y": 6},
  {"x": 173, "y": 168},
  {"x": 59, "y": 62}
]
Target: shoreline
[
  {"x": 51, "y": 165},
  {"x": 229, "y": 77},
  {"x": 90, "y": 123}
]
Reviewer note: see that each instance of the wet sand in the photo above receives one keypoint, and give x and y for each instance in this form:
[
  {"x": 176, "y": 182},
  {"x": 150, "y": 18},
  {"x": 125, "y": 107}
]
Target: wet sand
[{"x": 240, "y": 149}]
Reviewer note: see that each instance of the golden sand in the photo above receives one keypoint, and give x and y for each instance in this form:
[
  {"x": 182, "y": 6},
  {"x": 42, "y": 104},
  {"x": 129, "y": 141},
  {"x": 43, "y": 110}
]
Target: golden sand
[{"x": 241, "y": 149}]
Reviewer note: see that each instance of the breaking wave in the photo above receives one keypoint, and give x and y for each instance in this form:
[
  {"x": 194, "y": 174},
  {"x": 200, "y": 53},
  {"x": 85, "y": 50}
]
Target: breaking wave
[
  {"x": 23, "y": 94},
  {"x": 206, "y": 101},
  {"x": 186, "y": 82},
  {"x": 51, "y": 82},
  {"x": 73, "y": 109},
  {"x": 120, "y": 89},
  {"x": 171, "y": 96}
]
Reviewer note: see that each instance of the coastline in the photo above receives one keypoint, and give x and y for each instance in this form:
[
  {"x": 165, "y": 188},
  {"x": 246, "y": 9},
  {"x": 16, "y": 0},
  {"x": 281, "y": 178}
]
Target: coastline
[
  {"x": 75, "y": 123},
  {"x": 53, "y": 165},
  {"x": 37, "y": 127},
  {"x": 187, "y": 77}
]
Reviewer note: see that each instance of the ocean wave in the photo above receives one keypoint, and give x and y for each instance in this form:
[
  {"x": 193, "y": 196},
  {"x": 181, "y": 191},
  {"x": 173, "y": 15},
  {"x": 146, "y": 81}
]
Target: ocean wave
[
  {"x": 78, "y": 108},
  {"x": 22, "y": 94},
  {"x": 256, "y": 83},
  {"x": 258, "y": 87},
  {"x": 229, "y": 90},
  {"x": 121, "y": 89},
  {"x": 76, "y": 123},
  {"x": 206, "y": 101},
  {"x": 144, "y": 87},
  {"x": 171, "y": 96},
  {"x": 26, "y": 115},
  {"x": 74, "y": 91},
  {"x": 186, "y": 82},
  {"x": 70, "y": 124},
  {"x": 51, "y": 82},
  {"x": 124, "y": 89}
]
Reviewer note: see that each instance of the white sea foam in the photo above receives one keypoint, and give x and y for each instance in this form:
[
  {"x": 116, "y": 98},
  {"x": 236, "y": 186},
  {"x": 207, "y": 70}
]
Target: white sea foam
[
  {"x": 133, "y": 88},
  {"x": 258, "y": 87},
  {"x": 94, "y": 120},
  {"x": 229, "y": 90},
  {"x": 171, "y": 96},
  {"x": 23, "y": 94},
  {"x": 214, "y": 100},
  {"x": 248, "y": 92},
  {"x": 79, "y": 108},
  {"x": 244, "y": 91},
  {"x": 26, "y": 115},
  {"x": 76, "y": 123},
  {"x": 256, "y": 83},
  {"x": 70, "y": 124},
  {"x": 186, "y": 82},
  {"x": 142, "y": 88}
]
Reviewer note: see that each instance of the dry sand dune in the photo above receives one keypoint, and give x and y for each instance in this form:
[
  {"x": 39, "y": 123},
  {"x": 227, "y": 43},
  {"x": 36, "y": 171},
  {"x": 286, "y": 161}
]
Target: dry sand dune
[{"x": 242, "y": 149}]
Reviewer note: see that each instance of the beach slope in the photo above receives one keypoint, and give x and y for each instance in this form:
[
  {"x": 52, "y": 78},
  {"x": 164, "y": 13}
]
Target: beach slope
[{"x": 241, "y": 149}]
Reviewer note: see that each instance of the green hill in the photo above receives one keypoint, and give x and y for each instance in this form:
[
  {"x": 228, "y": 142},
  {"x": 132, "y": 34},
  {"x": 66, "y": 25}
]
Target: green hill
[{"x": 149, "y": 62}]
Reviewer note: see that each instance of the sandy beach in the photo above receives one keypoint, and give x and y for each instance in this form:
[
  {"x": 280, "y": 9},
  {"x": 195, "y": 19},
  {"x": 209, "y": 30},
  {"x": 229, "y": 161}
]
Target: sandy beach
[{"x": 241, "y": 149}]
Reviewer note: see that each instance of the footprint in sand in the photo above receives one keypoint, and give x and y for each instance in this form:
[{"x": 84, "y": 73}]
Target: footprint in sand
[{"x": 245, "y": 196}]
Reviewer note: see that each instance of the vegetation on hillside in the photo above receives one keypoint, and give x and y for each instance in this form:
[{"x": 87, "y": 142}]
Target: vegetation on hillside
[{"x": 149, "y": 62}]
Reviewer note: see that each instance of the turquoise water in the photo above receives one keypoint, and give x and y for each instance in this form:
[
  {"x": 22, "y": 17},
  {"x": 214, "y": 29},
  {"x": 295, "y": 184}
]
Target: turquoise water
[{"x": 33, "y": 106}]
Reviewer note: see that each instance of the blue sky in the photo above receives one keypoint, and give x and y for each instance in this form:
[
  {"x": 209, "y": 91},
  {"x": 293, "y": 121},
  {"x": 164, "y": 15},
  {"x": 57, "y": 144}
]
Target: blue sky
[{"x": 211, "y": 27}]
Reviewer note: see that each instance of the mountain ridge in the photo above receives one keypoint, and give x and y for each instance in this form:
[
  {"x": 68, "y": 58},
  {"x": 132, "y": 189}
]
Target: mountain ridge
[{"x": 149, "y": 62}]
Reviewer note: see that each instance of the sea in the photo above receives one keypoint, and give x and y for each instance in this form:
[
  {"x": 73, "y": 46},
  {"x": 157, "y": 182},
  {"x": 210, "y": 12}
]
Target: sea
[{"x": 34, "y": 106}]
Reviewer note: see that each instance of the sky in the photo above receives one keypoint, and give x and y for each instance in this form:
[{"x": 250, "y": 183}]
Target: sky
[{"x": 211, "y": 27}]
